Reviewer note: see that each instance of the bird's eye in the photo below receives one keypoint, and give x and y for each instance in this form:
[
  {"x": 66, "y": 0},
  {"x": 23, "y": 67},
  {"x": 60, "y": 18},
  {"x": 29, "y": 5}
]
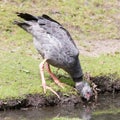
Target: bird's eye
[{"x": 88, "y": 93}]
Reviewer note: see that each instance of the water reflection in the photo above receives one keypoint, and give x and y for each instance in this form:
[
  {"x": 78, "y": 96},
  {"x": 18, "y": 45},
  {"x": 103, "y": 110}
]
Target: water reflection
[{"x": 86, "y": 112}]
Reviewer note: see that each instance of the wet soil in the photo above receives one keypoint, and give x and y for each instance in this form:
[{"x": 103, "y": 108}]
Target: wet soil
[{"x": 39, "y": 101}]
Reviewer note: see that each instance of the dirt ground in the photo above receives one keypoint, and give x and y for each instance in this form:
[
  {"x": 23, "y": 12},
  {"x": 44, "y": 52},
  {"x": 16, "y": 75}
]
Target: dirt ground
[{"x": 95, "y": 48}]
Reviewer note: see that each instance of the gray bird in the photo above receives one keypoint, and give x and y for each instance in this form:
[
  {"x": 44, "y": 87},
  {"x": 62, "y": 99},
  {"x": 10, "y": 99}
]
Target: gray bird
[{"x": 57, "y": 48}]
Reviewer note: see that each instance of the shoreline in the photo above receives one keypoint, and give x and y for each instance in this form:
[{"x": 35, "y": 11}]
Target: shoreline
[{"x": 39, "y": 101}]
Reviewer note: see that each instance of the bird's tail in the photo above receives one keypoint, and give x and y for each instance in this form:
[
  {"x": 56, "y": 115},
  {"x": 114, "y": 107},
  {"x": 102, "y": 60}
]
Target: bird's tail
[
  {"x": 23, "y": 25},
  {"x": 29, "y": 21},
  {"x": 27, "y": 17}
]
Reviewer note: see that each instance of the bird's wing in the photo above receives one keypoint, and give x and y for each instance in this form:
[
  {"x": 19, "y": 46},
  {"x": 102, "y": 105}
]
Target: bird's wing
[
  {"x": 51, "y": 26},
  {"x": 54, "y": 28}
]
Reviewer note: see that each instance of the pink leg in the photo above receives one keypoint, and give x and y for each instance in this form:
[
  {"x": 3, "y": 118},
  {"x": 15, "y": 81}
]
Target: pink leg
[
  {"x": 41, "y": 66},
  {"x": 56, "y": 80}
]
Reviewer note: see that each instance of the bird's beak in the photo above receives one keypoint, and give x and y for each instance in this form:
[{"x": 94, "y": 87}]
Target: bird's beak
[{"x": 88, "y": 96}]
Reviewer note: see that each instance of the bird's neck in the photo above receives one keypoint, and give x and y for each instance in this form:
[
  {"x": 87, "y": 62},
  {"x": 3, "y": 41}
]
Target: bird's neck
[
  {"x": 76, "y": 72},
  {"x": 78, "y": 79}
]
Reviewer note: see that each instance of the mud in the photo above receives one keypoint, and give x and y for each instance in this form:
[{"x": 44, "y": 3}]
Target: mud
[
  {"x": 104, "y": 83},
  {"x": 107, "y": 83}
]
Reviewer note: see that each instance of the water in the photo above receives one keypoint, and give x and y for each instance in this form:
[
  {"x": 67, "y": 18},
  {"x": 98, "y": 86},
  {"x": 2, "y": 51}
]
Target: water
[{"x": 108, "y": 108}]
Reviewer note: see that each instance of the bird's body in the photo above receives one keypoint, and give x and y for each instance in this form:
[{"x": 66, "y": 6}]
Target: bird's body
[{"x": 54, "y": 43}]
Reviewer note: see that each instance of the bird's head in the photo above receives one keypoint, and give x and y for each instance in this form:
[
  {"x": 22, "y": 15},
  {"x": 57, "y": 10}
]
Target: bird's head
[{"x": 84, "y": 89}]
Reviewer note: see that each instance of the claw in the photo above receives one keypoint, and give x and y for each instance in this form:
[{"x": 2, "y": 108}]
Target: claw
[{"x": 49, "y": 88}]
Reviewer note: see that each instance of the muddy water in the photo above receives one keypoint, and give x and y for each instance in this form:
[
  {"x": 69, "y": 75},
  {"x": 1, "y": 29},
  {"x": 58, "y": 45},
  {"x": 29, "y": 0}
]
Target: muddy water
[{"x": 107, "y": 108}]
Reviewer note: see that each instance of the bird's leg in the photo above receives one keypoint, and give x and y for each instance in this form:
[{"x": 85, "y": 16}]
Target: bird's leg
[
  {"x": 56, "y": 80},
  {"x": 41, "y": 66}
]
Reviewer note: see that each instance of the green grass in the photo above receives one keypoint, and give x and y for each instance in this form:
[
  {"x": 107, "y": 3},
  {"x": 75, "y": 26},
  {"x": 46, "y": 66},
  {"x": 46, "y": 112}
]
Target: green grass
[
  {"x": 19, "y": 71},
  {"x": 103, "y": 65},
  {"x": 110, "y": 111},
  {"x": 19, "y": 75},
  {"x": 65, "y": 118},
  {"x": 90, "y": 19}
]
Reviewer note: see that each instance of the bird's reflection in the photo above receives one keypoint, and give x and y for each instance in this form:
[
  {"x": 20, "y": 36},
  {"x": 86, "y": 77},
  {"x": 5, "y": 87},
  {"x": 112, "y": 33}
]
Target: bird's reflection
[{"x": 86, "y": 113}]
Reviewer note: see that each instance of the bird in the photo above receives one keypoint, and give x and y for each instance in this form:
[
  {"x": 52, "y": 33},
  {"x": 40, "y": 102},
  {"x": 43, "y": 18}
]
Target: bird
[{"x": 57, "y": 48}]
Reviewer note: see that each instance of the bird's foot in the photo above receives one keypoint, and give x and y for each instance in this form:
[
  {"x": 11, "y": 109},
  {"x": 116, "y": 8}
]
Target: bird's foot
[
  {"x": 49, "y": 88},
  {"x": 45, "y": 87}
]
